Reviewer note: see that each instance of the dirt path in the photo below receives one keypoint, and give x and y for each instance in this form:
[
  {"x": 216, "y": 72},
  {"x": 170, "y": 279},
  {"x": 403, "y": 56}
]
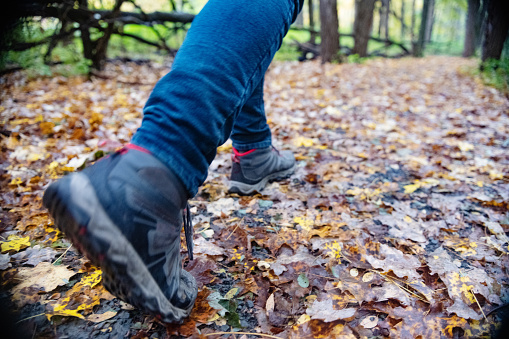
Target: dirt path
[{"x": 394, "y": 224}]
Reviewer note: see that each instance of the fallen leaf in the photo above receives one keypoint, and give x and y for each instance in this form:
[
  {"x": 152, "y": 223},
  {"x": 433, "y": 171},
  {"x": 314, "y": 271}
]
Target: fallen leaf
[
  {"x": 5, "y": 261},
  {"x": 324, "y": 310},
  {"x": 269, "y": 306},
  {"x": 97, "y": 318},
  {"x": 15, "y": 243},
  {"x": 45, "y": 277},
  {"x": 369, "y": 322},
  {"x": 35, "y": 255}
]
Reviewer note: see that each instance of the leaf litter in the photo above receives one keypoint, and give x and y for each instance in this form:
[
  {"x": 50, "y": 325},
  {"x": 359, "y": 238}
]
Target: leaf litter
[{"x": 393, "y": 225}]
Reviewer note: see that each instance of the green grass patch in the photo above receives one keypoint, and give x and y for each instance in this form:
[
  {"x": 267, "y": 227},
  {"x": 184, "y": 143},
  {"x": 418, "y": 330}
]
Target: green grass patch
[{"x": 495, "y": 73}]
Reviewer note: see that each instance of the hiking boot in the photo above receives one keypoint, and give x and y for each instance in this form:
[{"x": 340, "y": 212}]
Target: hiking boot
[
  {"x": 125, "y": 213},
  {"x": 252, "y": 170}
]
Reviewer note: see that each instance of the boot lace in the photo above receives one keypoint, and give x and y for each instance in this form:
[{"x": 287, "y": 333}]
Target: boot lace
[{"x": 188, "y": 230}]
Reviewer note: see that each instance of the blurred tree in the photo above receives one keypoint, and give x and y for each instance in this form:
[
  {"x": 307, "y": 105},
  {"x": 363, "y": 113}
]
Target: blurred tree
[
  {"x": 329, "y": 30},
  {"x": 95, "y": 50},
  {"x": 403, "y": 26},
  {"x": 430, "y": 20},
  {"x": 495, "y": 30},
  {"x": 96, "y": 26},
  {"x": 471, "y": 29},
  {"x": 412, "y": 26},
  {"x": 311, "y": 13},
  {"x": 418, "y": 50},
  {"x": 362, "y": 26},
  {"x": 383, "y": 27}
]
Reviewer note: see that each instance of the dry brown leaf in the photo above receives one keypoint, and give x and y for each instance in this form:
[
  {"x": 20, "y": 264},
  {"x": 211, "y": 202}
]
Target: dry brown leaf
[
  {"x": 323, "y": 310},
  {"x": 45, "y": 277}
]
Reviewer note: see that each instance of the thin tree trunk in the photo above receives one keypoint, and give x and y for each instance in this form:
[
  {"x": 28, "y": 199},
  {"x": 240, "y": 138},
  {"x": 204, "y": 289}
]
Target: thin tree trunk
[
  {"x": 495, "y": 31},
  {"x": 386, "y": 19},
  {"x": 102, "y": 43},
  {"x": 402, "y": 20},
  {"x": 419, "y": 46},
  {"x": 311, "y": 12},
  {"x": 412, "y": 25},
  {"x": 362, "y": 25},
  {"x": 329, "y": 31},
  {"x": 470, "y": 27},
  {"x": 480, "y": 23},
  {"x": 430, "y": 21}
]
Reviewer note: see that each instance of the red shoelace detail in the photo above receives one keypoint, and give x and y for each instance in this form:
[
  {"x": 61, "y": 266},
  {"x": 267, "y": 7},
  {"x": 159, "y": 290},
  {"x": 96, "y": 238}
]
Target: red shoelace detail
[
  {"x": 237, "y": 153},
  {"x": 136, "y": 147}
]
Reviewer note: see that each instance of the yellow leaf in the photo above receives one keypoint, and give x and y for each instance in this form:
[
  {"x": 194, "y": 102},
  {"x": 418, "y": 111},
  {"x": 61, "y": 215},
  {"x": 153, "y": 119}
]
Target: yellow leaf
[
  {"x": 87, "y": 291},
  {"x": 16, "y": 182},
  {"x": 15, "y": 243},
  {"x": 231, "y": 293},
  {"x": 465, "y": 146},
  {"x": 34, "y": 157},
  {"x": 96, "y": 119},
  {"x": 65, "y": 312},
  {"x": 92, "y": 279},
  {"x": 304, "y": 223},
  {"x": 303, "y": 319},
  {"x": 302, "y": 141},
  {"x": 354, "y": 191},
  {"x": 408, "y": 219},
  {"x": 412, "y": 187},
  {"x": 494, "y": 175},
  {"x": 334, "y": 249},
  {"x": 47, "y": 127}
]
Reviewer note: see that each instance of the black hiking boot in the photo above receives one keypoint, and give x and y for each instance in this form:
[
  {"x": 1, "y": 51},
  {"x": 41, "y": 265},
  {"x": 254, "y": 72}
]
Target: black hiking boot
[
  {"x": 252, "y": 170},
  {"x": 125, "y": 213}
]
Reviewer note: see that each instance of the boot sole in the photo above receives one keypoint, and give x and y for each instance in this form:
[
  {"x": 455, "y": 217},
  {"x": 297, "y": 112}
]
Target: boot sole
[
  {"x": 245, "y": 189},
  {"x": 78, "y": 213}
]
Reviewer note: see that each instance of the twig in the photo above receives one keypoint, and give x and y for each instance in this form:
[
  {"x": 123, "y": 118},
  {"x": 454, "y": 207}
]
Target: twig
[
  {"x": 484, "y": 315},
  {"x": 247, "y": 333},
  {"x": 321, "y": 276},
  {"x": 34, "y": 316},
  {"x": 237, "y": 226},
  {"x": 53, "y": 263}
]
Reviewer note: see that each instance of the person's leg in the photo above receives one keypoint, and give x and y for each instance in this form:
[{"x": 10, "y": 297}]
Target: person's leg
[
  {"x": 255, "y": 162},
  {"x": 224, "y": 57},
  {"x": 251, "y": 129},
  {"x": 124, "y": 212}
]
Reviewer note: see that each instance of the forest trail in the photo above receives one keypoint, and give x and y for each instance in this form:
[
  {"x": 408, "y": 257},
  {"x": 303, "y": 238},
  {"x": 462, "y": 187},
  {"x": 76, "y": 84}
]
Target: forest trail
[{"x": 393, "y": 225}]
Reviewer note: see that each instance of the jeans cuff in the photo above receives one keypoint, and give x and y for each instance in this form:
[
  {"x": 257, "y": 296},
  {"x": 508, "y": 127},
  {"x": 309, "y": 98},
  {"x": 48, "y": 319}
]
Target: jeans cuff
[{"x": 250, "y": 146}]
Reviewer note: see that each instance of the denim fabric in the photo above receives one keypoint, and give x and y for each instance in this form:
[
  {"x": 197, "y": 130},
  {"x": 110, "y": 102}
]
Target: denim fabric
[
  {"x": 216, "y": 72},
  {"x": 250, "y": 129}
]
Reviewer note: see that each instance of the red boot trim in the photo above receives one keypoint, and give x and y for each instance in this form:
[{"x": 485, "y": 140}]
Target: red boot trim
[
  {"x": 138, "y": 148},
  {"x": 237, "y": 153}
]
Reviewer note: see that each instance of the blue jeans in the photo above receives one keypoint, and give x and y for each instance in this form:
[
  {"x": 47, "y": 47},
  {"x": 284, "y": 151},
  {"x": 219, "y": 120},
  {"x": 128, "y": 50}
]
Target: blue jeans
[{"x": 215, "y": 87}]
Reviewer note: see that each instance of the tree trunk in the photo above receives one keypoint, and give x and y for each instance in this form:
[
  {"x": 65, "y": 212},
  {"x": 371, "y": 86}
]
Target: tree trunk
[
  {"x": 329, "y": 30},
  {"x": 382, "y": 13},
  {"x": 386, "y": 19},
  {"x": 311, "y": 12},
  {"x": 412, "y": 25},
  {"x": 403, "y": 27},
  {"x": 419, "y": 46},
  {"x": 495, "y": 30},
  {"x": 470, "y": 27},
  {"x": 362, "y": 26},
  {"x": 430, "y": 20}
]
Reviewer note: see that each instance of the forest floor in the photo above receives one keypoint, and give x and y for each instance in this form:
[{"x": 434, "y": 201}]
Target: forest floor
[{"x": 393, "y": 225}]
